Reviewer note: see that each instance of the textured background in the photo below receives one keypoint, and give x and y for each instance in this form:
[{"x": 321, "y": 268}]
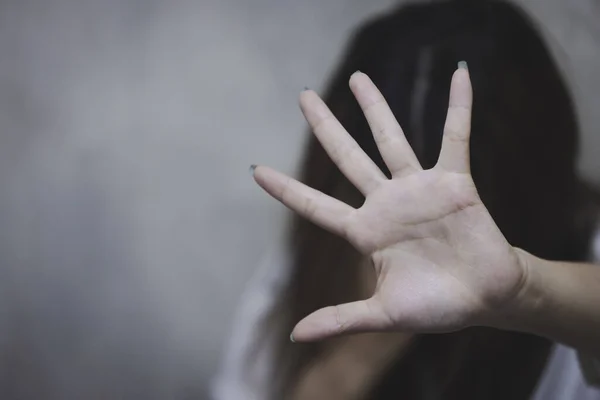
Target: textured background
[{"x": 129, "y": 221}]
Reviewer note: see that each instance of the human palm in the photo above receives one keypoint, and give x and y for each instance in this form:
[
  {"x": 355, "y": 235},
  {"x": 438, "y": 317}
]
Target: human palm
[{"x": 441, "y": 262}]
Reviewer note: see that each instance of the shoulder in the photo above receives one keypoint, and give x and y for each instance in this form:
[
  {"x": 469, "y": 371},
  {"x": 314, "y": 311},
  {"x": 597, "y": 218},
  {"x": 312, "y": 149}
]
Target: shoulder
[
  {"x": 590, "y": 366},
  {"x": 234, "y": 380}
]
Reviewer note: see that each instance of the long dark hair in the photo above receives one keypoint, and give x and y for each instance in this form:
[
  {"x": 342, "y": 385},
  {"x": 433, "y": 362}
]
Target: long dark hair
[{"x": 523, "y": 153}]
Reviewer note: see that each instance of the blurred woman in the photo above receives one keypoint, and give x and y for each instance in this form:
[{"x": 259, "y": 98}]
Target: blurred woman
[{"x": 523, "y": 154}]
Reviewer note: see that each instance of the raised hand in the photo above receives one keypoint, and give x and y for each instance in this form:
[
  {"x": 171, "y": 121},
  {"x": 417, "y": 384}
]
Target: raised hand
[{"x": 441, "y": 262}]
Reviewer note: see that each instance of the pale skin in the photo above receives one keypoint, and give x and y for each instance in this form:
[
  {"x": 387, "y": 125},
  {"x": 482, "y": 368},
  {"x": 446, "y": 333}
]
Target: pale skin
[{"x": 441, "y": 262}]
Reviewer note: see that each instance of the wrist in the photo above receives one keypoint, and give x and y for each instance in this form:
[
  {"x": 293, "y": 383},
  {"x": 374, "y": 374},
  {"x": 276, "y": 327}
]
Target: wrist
[
  {"x": 557, "y": 300},
  {"x": 527, "y": 302}
]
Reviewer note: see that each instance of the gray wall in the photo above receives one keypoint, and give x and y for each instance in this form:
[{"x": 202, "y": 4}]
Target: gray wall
[{"x": 129, "y": 220}]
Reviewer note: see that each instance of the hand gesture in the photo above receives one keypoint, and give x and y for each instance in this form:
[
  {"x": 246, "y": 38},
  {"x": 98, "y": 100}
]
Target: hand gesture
[{"x": 441, "y": 262}]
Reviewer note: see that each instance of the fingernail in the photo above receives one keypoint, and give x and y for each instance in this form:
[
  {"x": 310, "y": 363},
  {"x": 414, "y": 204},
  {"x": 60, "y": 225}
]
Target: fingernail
[
  {"x": 292, "y": 338},
  {"x": 252, "y": 168},
  {"x": 306, "y": 88},
  {"x": 463, "y": 65}
]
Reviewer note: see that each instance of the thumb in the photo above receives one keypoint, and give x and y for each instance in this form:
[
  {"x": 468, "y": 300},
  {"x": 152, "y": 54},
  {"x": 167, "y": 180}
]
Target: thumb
[{"x": 357, "y": 317}]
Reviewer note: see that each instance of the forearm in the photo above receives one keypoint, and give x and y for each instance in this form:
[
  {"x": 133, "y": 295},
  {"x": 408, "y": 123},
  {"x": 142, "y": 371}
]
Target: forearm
[
  {"x": 348, "y": 370},
  {"x": 560, "y": 301}
]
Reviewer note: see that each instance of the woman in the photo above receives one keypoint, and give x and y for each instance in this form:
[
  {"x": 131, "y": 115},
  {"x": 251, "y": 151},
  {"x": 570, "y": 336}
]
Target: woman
[{"x": 523, "y": 165}]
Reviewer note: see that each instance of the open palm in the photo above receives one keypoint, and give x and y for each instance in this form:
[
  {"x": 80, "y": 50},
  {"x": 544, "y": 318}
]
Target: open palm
[{"x": 441, "y": 262}]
